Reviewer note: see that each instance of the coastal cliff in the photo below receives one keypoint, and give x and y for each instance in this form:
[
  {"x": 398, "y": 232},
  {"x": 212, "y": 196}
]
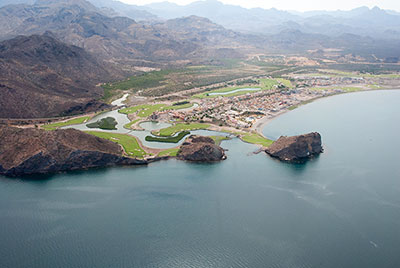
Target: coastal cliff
[
  {"x": 200, "y": 149},
  {"x": 296, "y": 148},
  {"x": 30, "y": 151}
]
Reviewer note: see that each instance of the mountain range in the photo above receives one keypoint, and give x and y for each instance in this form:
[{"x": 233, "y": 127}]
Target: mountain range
[
  {"x": 385, "y": 24},
  {"x": 55, "y": 52}
]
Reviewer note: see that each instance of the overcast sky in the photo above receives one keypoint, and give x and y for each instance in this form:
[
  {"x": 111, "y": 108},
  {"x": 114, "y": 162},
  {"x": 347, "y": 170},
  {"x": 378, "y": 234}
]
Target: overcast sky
[{"x": 299, "y": 5}]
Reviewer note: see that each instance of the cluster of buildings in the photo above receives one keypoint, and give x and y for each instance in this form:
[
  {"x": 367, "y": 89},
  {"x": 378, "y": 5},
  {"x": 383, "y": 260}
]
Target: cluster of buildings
[
  {"x": 241, "y": 111},
  {"x": 322, "y": 80}
]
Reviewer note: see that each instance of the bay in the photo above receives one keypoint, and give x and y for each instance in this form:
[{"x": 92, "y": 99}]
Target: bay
[{"x": 341, "y": 209}]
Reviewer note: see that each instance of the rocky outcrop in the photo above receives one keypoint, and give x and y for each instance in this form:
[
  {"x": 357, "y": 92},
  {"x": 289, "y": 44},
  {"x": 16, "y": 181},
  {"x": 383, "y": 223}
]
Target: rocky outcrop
[
  {"x": 200, "y": 149},
  {"x": 296, "y": 148},
  {"x": 31, "y": 151}
]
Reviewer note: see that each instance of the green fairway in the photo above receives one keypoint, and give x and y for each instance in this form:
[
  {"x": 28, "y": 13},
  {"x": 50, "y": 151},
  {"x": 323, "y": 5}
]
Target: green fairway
[
  {"x": 255, "y": 138},
  {"x": 129, "y": 143},
  {"x": 75, "y": 121},
  {"x": 128, "y": 126},
  {"x": 269, "y": 84},
  {"x": 223, "y": 90},
  {"x": 219, "y": 139},
  {"x": 179, "y": 106},
  {"x": 170, "y": 131},
  {"x": 285, "y": 82},
  {"x": 145, "y": 110},
  {"x": 172, "y": 139},
  {"x": 169, "y": 152}
]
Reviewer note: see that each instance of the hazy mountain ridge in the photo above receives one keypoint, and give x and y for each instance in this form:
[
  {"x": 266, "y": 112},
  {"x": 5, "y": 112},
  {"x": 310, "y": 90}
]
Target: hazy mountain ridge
[
  {"x": 112, "y": 38},
  {"x": 271, "y": 21}
]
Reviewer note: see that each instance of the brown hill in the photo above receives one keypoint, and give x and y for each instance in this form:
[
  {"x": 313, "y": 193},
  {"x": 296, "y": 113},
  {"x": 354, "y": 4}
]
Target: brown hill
[
  {"x": 200, "y": 149},
  {"x": 43, "y": 77},
  {"x": 30, "y": 151}
]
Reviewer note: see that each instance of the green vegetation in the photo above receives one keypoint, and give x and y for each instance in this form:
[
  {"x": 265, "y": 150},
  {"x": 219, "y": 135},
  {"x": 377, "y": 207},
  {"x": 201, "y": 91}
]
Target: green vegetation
[
  {"x": 75, "y": 121},
  {"x": 150, "y": 110},
  {"x": 223, "y": 90},
  {"x": 170, "y": 131},
  {"x": 158, "y": 83},
  {"x": 146, "y": 80},
  {"x": 178, "y": 106},
  {"x": 108, "y": 123},
  {"x": 285, "y": 82},
  {"x": 171, "y": 139},
  {"x": 268, "y": 83},
  {"x": 169, "y": 152},
  {"x": 128, "y": 126},
  {"x": 256, "y": 138},
  {"x": 219, "y": 139},
  {"x": 145, "y": 110},
  {"x": 129, "y": 143}
]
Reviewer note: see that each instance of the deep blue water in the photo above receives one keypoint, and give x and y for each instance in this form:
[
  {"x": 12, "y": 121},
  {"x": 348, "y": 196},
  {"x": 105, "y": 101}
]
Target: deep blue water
[{"x": 341, "y": 209}]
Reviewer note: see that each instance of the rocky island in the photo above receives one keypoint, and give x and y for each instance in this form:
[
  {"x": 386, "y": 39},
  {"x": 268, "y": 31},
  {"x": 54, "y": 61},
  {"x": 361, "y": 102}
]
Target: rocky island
[
  {"x": 30, "y": 151},
  {"x": 296, "y": 148},
  {"x": 200, "y": 149}
]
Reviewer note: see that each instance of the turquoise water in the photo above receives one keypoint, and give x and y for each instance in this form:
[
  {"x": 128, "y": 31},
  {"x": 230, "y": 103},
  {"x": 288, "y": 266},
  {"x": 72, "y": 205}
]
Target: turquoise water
[
  {"x": 340, "y": 210},
  {"x": 233, "y": 91}
]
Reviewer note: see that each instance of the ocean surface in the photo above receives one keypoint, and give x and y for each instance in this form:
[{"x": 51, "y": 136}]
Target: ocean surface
[{"x": 341, "y": 209}]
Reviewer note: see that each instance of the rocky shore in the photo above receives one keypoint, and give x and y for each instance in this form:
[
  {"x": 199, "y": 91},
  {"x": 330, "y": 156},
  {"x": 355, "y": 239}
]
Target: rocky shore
[
  {"x": 33, "y": 151},
  {"x": 200, "y": 149},
  {"x": 296, "y": 148}
]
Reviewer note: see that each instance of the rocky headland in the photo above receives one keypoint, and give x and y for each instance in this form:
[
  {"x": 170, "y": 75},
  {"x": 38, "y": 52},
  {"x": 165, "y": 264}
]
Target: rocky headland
[
  {"x": 200, "y": 149},
  {"x": 35, "y": 151},
  {"x": 296, "y": 148}
]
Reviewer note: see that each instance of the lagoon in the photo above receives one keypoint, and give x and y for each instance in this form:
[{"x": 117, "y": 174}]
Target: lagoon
[
  {"x": 233, "y": 91},
  {"x": 341, "y": 209}
]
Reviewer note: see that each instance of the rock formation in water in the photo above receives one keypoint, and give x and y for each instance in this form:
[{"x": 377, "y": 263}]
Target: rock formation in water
[
  {"x": 296, "y": 148},
  {"x": 200, "y": 149},
  {"x": 30, "y": 151}
]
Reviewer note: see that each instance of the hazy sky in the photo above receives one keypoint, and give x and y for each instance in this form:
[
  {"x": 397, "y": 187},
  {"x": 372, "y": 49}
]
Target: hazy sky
[{"x": 299, "y": 5}]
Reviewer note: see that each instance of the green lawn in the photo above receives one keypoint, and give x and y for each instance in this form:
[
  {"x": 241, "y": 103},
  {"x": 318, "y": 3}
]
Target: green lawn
[
  {"x": 128, "y": 126},
  {"x": 170, "y": 131},
  {"x": 255, "y": 138},
  {"x": 178, "y": 107},
  {"x": 171, "y": 139},
  {"x": 169, "y": 152},
  {"x": 219, "y": 139},
  {"x": 223, "y": 90},
  {"x": 74, "y": 121},
  {"x": 285, "y": 82},
  {"x": 145, "y": 110},
  {"x": 269, "y": 84},
  {"x": 130, "y": 144}
]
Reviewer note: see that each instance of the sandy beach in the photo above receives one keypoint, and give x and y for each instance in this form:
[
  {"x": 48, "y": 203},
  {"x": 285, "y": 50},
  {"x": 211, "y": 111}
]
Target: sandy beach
[{"x": 259, "y": 125}]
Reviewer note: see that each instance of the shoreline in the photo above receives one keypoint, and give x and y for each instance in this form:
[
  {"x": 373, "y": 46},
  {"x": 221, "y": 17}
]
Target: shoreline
[{"x": 261, "y": 123}]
